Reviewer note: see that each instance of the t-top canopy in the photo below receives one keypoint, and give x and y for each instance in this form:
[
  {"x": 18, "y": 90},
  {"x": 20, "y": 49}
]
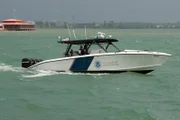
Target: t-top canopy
[{"x": 88, "y": 41}]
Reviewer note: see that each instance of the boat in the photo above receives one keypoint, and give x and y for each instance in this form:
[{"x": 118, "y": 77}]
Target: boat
[{"x": 100, "y": 60}]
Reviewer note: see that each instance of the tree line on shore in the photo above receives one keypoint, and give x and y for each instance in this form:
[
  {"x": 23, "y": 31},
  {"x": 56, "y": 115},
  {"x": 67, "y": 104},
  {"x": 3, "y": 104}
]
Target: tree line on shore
[{"x": 108, "y": 25}]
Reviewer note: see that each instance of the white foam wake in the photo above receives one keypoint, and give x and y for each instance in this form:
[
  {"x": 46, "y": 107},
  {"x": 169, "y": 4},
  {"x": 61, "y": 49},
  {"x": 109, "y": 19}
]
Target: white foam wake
[
  {"x": 5, "y": 68},
  {"x": 26, "y": 73},
  {"x": 41, "y": 73}
]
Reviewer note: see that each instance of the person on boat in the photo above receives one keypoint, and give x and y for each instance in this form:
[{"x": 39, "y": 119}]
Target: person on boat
[
  {"x": 81, "y": 51},
  {"x": 71, "y": 52},
  {"x": 85, "y": 49}
]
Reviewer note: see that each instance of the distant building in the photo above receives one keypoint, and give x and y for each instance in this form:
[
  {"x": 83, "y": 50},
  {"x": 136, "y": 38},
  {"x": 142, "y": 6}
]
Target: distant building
[
  {"x": 16, "y": 25},
  {"x": 159, "y": 26}
]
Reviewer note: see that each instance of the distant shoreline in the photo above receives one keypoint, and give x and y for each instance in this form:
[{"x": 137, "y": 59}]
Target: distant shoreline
[{"x": 106, "y": 25}]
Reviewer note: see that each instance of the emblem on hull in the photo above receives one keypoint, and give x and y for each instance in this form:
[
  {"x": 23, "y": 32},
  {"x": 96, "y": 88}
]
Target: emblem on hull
[{"x": 97, "y": 64}]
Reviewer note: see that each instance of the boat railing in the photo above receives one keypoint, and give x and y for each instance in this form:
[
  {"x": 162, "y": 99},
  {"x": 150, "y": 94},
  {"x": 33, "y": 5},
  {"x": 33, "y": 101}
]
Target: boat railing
[{"x": 97, "y": 51}]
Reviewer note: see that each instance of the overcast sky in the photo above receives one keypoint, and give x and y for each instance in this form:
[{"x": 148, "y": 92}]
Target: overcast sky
[{"x": 92, "y": 10}]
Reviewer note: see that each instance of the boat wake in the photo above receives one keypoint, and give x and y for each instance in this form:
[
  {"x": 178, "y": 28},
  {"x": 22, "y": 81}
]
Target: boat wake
[
  {"x": 6, "y": 68},
  {"x": 25, "y": 73},
  {"x": 41, "y": 73}
]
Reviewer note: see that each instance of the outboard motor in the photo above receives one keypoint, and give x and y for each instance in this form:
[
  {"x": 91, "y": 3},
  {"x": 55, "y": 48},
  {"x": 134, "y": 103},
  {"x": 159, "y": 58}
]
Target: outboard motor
[{"x": 27, "y": 62}]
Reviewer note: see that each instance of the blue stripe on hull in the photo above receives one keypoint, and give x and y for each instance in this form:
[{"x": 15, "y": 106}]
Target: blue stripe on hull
[
  {"x": 111, "y": 71},
  {"x": 81, "y": 64}
]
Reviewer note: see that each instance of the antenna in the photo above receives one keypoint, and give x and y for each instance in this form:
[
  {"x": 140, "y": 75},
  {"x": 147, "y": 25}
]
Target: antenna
[
  {"x": 69, "y": 31},
  {"x": 74, "y": 34},
  {"x": 85, "y": 33}
]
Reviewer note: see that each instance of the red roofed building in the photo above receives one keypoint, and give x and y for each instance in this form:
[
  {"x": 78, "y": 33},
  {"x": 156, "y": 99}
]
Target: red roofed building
[{"x": 16, "y": 25}]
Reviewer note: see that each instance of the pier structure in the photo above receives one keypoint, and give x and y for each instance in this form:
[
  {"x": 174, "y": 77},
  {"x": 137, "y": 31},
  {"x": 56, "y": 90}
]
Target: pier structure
[{"x": 16, "y": 25}]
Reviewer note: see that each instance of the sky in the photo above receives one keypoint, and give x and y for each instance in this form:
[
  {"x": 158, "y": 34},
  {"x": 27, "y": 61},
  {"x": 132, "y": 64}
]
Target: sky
[{"x": 92, "y": 10}]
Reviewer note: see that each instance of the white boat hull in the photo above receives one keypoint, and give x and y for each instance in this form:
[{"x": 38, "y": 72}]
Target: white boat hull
[{"x": 128, "y": 60}]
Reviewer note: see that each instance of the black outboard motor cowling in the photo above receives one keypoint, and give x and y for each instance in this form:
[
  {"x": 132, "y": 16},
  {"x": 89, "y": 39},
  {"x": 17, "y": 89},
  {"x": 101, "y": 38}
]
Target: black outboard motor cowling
[{"x": 27, "y": 62}]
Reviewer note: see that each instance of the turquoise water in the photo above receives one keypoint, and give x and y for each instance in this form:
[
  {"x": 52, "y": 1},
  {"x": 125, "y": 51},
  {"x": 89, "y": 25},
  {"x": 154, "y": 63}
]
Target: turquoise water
[{"x": 47, "y": 95}]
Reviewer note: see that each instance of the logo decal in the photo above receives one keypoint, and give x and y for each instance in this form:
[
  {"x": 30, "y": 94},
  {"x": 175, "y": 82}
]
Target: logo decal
[{"x": 97, "y": 64}]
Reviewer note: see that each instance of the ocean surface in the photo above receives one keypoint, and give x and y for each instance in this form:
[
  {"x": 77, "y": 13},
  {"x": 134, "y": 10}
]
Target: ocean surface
[{"x": 47, "y": 95}]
